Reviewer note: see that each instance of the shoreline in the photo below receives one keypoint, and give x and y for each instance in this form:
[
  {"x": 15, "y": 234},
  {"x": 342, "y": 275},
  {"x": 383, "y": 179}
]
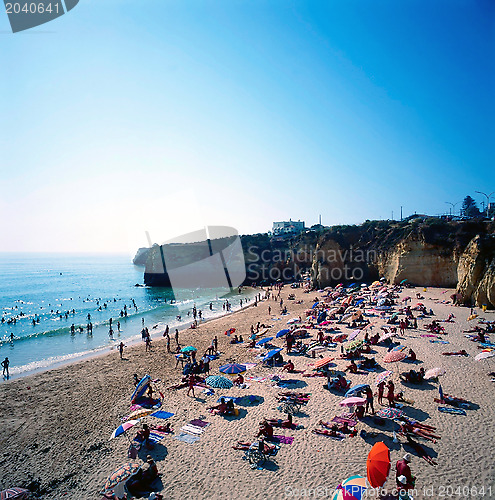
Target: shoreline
[
  {"x": 130, "y": 341},
  {"x": 56, "y": 425}
]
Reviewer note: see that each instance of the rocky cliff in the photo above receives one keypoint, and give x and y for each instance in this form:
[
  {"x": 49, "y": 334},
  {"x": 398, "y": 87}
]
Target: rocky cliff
[{"x": 425, "y": 252}]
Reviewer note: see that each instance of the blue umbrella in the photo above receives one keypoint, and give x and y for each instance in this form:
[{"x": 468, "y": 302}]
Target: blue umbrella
[
  {"x": 271, "y": 353},
  {"x": 264, "y": 341},
  {"x": 218, "y": 382},
  {"x": 233, "y": 368},
  {"x": 360, "y": 301},
  {"x": 356, "y": 389},
  {"x": 314, "y": 305},
  {"x": 281, "y": 333}
]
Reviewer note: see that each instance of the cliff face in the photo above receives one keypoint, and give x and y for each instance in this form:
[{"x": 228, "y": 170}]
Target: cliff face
[
  {"x": 476, "y": 271},
  {"x": 426, "y": 252}
]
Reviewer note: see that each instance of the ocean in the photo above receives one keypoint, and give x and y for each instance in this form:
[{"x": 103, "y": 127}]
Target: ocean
[{"x": 61, "y": 290}]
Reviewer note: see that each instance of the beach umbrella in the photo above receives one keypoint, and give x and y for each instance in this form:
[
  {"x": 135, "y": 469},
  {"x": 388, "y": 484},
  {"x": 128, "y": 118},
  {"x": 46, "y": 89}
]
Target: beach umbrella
[
  {"x": 352, "y": 488},
  {"x": 14, "y": 494},
  {"x": 218, "y": 382},
  {"x": 271, "y": 353},
  {"x": 314, "y": 305},
  {"x": 355, "y": 390},
  {"x": 140, "y": 413},
  {"x": 355, "y": 344},
  {"x": 354, "y": 334},
  {"x": 382, "y": 377},
  {"x": 121, "y": 474},
  {"x": 435, "y": 372},
  {"x": 354, "y": 401},
  {"x": 323, "y": 362},
  {"x": 232, "y": 368},
  {"x": 122, "y": 428},
  {"x": 281, "y": 333},
  {"x": 293, "y": 320},
  {"x": 390, "y": 413},
  {"x": 484, "y": 355},
  {"x": 393, "y": 357},
  {"x": 317, "y": 348},
  {"x": 189, "y": 348},
  {"x": 403, "y": 281},
  {"x": 264, "y": 341},
  {"x": 386, "y": 336},
  {"x": 141, "y": 388},
  {"x": 378, "y": 465}
]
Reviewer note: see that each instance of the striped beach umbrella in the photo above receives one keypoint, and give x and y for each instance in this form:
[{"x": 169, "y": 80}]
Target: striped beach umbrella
[
  {"x": 323, "y": 362},
  {"x": 14, "y": 494},
  {"x": 382, "y": 377},
  {"x": 124, "y": 472},
  {"x": 122, "y": 428},
  {"x": 352, "y": 488},
  {"x": 232, "y": 368},
  {"x": 218, "y": 382}
]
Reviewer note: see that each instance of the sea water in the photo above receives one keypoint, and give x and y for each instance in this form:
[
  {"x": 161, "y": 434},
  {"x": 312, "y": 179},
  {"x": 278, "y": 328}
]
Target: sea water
[{"x": 61, "y": 290}]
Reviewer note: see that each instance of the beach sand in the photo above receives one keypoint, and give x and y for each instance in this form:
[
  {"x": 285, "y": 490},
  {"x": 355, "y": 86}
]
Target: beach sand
[{"x": 55, "y": 426}]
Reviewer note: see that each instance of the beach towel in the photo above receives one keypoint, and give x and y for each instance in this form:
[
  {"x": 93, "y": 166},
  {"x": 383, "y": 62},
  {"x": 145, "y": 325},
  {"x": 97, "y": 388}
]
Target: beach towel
[
  {"x": 427, "y": 335},
  {"x": 186, "y": 438},
  {"x": 199, "y": 423},
  {"x": 456, "y": 411},
  {"x": 284, "y": 439},
  {"x": 439, "y": 341},
  {"x": 156, "y": 436},
  {"x": 162, "y": 414},
  {"x": 256, "y": 379},
  {"x": 193, "y": 429}
]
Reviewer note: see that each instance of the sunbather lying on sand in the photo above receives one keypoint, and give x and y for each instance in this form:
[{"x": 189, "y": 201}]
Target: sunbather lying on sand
[
  {"x": 329, "y": 432},
  {"x": 267, "y": 448},
  {"x": 421, "y": 451},
  {"x": 458, "y": 353},
  {"x": 417, "y": 424},
  {"x": 344, "y": 427},
  {"x": 285, "y": 424},
  {"x": 407, "y": 428}
]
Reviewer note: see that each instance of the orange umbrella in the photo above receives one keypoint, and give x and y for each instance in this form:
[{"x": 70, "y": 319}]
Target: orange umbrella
[
  {"x": 323, "y": 362},
  {"x": 378, "y": 465}
]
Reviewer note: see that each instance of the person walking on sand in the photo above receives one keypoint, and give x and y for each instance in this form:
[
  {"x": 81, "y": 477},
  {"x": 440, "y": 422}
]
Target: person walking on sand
[
  {"x": 168, "y": 344},
  {"x": 191, "y": 381},
  {"x": 148, "y": 343},
  {"x": 121, "y": 349},
  {"x": 177, "y": 337},
  {"x": 5, "y": 366}
]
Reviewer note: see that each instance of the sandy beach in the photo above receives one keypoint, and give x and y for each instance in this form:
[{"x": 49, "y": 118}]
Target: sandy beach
[{"x": 55, "y": 426}]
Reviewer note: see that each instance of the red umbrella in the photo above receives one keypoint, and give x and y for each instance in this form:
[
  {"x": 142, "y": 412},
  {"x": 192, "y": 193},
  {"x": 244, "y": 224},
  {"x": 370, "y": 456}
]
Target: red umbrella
[
  {"x": 393, "y": 356},
  {"x": 378, "y": 465}
]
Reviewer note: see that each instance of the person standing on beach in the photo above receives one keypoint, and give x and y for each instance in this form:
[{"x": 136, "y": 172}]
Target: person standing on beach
[
  {"x": 191, "y": 381},
  {"x": 381, "y": 389},
  {"x": 369, "y": 401},
  {"x": 390, "y": 394},
  {"x": 168, "y": 344},
  {"x": 121, "y": 349},
  {"x": 177, "y": 337},
  {"x": 5, "y": 366}
]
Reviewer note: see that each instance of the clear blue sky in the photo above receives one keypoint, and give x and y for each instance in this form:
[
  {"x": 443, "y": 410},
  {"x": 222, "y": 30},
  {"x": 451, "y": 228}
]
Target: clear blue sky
[{"x": 121, "y": 117}]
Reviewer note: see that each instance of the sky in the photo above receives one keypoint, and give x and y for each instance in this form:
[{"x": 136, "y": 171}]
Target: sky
[{"x": 121, "y": 119}]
